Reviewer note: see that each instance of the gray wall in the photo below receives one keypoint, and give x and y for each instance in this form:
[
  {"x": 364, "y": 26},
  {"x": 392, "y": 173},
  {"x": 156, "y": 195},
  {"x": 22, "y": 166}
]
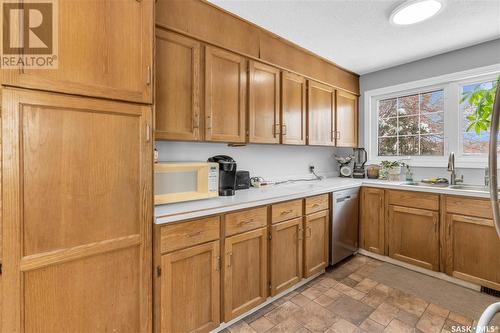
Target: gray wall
[
  {"x": 479, "y": 55},
  {"x": 484, "y": 54}
]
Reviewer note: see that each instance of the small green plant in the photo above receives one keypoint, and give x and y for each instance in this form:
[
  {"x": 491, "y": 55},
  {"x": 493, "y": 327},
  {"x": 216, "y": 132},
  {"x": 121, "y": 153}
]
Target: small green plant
[
  {"x": 482, "y": 100},
  {"x": 391, "y": 164}
]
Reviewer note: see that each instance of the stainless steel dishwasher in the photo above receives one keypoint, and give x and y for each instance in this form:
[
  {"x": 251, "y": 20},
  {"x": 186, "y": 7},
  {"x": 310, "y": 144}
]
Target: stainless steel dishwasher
[{"x": 344, "y": 224}]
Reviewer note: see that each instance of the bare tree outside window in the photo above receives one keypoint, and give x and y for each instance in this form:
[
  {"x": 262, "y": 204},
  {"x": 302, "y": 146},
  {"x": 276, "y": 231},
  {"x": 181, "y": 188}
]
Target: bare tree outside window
[{"x": 411, "y": 125}]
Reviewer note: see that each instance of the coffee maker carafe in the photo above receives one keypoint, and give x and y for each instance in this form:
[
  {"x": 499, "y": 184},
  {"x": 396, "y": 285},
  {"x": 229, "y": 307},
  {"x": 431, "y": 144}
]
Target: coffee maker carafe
[
  {"x": 227, "y": 174},
  {"x": 360, "y": 158}
]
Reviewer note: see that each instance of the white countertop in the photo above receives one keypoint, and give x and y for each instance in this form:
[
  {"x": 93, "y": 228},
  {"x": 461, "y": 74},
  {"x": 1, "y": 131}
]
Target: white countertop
[{"x": 275, "y": 193}]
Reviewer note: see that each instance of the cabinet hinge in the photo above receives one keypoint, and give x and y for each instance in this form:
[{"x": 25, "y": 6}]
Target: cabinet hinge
[
  {"x": 270, "y": 286},
  {"x": 270, "y": 236},
  {"x": 158, "y": 271}
]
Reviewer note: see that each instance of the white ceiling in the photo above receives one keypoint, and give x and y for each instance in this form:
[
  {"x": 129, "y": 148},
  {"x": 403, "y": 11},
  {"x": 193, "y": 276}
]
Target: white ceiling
[{"x": 357, "y": 35}]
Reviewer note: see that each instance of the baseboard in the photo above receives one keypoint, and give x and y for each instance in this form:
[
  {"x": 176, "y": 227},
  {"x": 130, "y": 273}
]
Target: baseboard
[
  {"x": 438, "y": 275},
  {"x": 222, "y": 326}
]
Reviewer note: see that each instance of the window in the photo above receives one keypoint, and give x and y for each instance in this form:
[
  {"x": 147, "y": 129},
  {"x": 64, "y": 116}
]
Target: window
[
  {"x": 423, "y": 121},
  {"x": 472, "y": 142},
  {"x": 411, "y": 125}
]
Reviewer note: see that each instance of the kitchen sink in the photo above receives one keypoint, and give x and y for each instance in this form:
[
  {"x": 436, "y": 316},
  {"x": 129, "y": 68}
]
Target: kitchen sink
[
  {"x": 466, "y": 187},
  {"x": 470, "y": 187}
]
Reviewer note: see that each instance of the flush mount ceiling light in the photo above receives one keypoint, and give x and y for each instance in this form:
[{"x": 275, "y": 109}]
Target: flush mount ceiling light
[{"x": 415, "y": 11}]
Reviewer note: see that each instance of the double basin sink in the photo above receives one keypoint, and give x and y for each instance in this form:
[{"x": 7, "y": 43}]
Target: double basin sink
[{"x": 466, "y": 187}]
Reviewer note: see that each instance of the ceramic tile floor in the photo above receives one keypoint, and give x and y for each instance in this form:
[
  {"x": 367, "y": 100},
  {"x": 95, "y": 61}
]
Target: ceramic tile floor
[{"x": 346, "y": 300}]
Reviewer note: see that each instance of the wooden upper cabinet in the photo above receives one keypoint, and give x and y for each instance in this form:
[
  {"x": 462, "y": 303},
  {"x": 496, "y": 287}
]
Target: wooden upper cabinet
[
  {"x": 471, "y": 249},
  {"x": 245, "y": 272},
  {"x": 263, "y": 104},
  {"x": 293, "y": 109},
  {"x": 190, "y": 289},
  {"x": 286, "y": 255},
  {"x": 372, "y": 221},
  {"x": 321, "y": 114},
  {"x": 316, "y": 242},
  {"x": 178, "y": 61},
  {"x": 225, "y": 96},
  {"x": 105, "y": 50},
  {"x": 76, "y": 208},
  {"x": 347, "y": 119},
  {"x": 413, "y": 236}
]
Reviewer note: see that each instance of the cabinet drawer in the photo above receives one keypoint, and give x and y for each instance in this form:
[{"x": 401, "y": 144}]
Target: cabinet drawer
[
  {"x": 316, "y": 203},
  {"x": 245, "y": 220},
  {"x": 469, "y": 207},
  {"x": 184, "y": 234},
  {"x": 286, "y": 210},
  {"x": 414, "y": 199}
]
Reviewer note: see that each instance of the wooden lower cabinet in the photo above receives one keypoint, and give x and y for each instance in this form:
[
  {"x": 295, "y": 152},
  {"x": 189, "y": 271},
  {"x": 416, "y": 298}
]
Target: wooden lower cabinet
[
  {"x": 245, "y": 272},
  {"x": 316, "y": 242},
  {"x": 286, "y": 255},
  {"x": 413, "y": 236},
  {"x": 190, "y": 289},
  {"x": 472, "y": 250},
  {"x": 76, "y": 214},
  {"x": 372, "y": 220}
]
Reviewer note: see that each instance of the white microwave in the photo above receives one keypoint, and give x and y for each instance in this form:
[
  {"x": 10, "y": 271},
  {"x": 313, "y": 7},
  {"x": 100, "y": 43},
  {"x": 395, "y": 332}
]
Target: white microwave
[{"x": 185, "y": 181}]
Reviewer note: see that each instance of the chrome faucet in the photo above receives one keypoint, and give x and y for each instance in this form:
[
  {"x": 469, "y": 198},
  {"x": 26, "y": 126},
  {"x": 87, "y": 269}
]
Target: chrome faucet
[
  {"x": 451, "y": 167},
  {"x": 487, "y": 176}
]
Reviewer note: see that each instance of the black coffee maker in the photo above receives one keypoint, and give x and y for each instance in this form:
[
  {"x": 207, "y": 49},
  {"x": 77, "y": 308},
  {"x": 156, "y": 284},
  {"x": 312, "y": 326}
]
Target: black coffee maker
[{"x": 227, "y": 174}]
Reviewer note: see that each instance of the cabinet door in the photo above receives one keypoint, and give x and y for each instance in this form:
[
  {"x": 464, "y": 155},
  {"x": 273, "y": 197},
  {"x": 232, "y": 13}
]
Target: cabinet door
[
  {"x": 177, "y": 109},
  {"x": 245, "y": 272},
  {"x": 316, "y": 242},
  {"x": 293, "y": 109},
  {"x": 347, "y": 119},
  {"x": 105, "y": 50},
  {"x": 190, "y": 289},
  {"x": 263, "y": 104},
  {"x": 225, "y": 94},
  {"x": 321, "y": 114},
  {"x": 471, "y": 246},
  {"x": 414, "y": 236},
  {"x": 76, "y": 206},
  {"x": 372, "y": 226},
  {"x": 286, "y": 255}
]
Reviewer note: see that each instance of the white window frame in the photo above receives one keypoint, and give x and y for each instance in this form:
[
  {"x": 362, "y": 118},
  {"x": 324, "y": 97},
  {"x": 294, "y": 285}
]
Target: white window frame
[{"x": 453, "y": 119}]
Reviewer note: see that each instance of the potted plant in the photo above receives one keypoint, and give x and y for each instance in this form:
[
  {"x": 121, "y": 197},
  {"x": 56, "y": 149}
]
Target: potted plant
[{"x": 392, "y": 169}]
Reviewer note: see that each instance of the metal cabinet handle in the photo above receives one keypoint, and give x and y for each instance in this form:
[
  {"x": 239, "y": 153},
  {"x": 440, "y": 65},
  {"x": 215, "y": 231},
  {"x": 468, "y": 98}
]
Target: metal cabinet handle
[
  {"x": 194, "y": 234},
  {"x": 276, "y": 129},
  {"x": 217, "y": 268},
  {"x": 283, "y": 129},
  {"x": 246, "y": 222},
  {"x": 229, "y": 259},
  {"x": 209, "y": 122},
  {"x": 308, "y": 232},
  {"x": 285, "y": 212}
]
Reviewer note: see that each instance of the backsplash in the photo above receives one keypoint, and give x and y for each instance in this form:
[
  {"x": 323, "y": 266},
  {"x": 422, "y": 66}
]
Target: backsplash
[
  {"x": 272, "y": 162},
  {"x": 280, "y": 162}
]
